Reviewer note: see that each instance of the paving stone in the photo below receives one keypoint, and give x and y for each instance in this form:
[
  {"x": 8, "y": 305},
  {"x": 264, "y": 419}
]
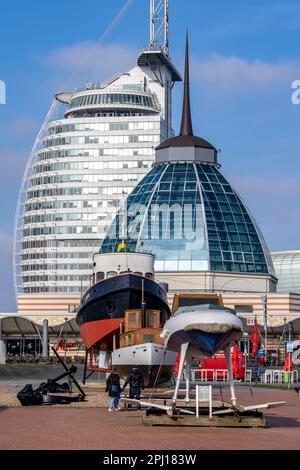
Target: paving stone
[{"x": 57, "y": 428}]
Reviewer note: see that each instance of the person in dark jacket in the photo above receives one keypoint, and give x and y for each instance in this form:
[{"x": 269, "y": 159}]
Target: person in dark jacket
[
  {"x": 114, "y": 390},
  {"x": 135, "y": 380}
]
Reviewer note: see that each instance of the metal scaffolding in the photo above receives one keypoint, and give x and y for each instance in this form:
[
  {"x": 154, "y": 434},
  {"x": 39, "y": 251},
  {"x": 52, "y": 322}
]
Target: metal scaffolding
[{"x": 159, "y": 25}]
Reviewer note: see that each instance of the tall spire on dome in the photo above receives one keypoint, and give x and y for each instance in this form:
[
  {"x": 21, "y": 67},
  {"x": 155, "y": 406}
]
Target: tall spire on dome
[
  {"x": 196, "y": 149},
  {"x": 186, "y": 120}
]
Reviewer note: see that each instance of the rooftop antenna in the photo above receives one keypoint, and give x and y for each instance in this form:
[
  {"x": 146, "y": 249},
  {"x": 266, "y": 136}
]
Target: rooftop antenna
[{"x": 159, "y": 25}]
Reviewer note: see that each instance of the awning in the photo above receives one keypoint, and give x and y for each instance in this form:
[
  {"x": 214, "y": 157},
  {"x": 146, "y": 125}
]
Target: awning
[
  {"x": 23, "y": 327},
  {"x": 294, "y": 325}
]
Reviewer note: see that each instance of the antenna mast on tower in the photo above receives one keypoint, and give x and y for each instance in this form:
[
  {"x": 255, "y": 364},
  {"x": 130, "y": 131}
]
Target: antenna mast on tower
[{"x": 159, "y": 25}]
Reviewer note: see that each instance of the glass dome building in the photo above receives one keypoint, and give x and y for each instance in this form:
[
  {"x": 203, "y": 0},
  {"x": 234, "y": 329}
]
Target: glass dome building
[
  {"x": 187, "y": 214},
  {"x": 226, "y": 237}
]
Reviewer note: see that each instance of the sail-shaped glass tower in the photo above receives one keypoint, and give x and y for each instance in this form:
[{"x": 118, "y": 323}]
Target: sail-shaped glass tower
[
  {"x": 188, "y": 215},
  {"x": 96, "y": 144}
]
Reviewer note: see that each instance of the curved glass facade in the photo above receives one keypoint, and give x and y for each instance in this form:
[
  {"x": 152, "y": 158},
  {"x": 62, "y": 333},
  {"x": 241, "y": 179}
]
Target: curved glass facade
[
  {"x": 191, "y": 219},
  {"x": 287, "y": 268}
]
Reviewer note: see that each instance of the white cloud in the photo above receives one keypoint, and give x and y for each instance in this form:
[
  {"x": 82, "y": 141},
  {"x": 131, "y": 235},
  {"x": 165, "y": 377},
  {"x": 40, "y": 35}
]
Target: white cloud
[
  {"x": 22, "y": 127},
  {"x": 92, "y": 60},
  {"x": 13, "y": 165},
  {"x": 226, "y": 75},
  {"x": 230, "y": 75}
]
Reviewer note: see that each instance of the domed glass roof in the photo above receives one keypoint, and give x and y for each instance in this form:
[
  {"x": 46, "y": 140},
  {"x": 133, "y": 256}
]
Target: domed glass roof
[
  {"x": 191, "y": 219},
  {"x": 187, "y": 214}
]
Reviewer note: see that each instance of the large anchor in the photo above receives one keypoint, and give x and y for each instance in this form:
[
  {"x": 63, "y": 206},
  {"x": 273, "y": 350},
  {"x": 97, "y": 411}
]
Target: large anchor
[{"x": 30, "y": 397}]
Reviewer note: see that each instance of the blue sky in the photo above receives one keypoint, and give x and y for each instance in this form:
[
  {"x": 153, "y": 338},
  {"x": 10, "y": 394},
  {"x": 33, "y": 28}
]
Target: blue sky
[{"x": 244, "y": 57}]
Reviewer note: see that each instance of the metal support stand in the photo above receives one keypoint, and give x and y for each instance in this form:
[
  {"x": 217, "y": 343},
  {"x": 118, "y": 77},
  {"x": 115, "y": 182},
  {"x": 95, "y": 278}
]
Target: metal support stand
[
  {"x": 227, "y": 352},
  {"x": 89, "y": 368},
  {"x": 2, "y": 347},
  {"x": 187, "y": 378},
  {"x": 183, "y": 352}
]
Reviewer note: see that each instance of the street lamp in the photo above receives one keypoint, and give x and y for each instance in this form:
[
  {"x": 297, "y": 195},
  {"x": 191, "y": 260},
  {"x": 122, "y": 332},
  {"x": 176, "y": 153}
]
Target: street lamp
[{"x": 264, "y": 300}]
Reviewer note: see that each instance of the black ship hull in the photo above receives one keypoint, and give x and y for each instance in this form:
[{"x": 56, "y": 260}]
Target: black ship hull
[{"x": 103, "y": 306}]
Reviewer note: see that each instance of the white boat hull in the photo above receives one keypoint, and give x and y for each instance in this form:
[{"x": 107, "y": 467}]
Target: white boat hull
[
  {"x": 206, "y": 330},
  {"x": 149, "y": 358}
]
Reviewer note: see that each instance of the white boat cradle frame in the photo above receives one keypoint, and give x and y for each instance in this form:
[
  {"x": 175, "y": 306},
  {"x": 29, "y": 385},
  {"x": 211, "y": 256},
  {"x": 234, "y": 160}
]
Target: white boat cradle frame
[
  {"x": 206, "y": 321},
  {"x": 185, "y": 358}
]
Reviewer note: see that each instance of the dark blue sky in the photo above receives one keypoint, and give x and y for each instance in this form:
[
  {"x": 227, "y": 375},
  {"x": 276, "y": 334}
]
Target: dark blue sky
[{"x": 244, "y": 57}]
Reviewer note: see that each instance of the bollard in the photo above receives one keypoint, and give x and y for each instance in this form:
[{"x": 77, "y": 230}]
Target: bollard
[
  {"x": 2, "y": 347},
  {"x": 45, "y": 340}
]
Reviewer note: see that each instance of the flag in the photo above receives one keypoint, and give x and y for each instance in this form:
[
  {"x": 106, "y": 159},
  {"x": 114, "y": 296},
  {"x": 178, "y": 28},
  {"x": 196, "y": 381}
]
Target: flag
[
  {"x": 122, "y": 247},
  {"x": 255, "y": 339},
  {"x": 177, "y": 365},
  {"x": 288, "y": 365},
  {"x": 235, "y": 361}
]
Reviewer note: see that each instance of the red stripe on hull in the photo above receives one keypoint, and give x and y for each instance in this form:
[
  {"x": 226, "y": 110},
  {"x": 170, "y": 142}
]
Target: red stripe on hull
[{"x": 95, "y": 331}]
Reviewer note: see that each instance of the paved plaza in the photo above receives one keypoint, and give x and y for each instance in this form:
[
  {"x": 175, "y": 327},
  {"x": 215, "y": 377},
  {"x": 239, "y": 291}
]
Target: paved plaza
[{"x": 87, "y": 428}]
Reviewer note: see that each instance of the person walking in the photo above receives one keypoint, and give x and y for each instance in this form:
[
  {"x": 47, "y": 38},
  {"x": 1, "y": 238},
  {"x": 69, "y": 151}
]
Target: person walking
[
  {"x": 135, "y": 380},
  {"x": 113, "y": 389}
]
